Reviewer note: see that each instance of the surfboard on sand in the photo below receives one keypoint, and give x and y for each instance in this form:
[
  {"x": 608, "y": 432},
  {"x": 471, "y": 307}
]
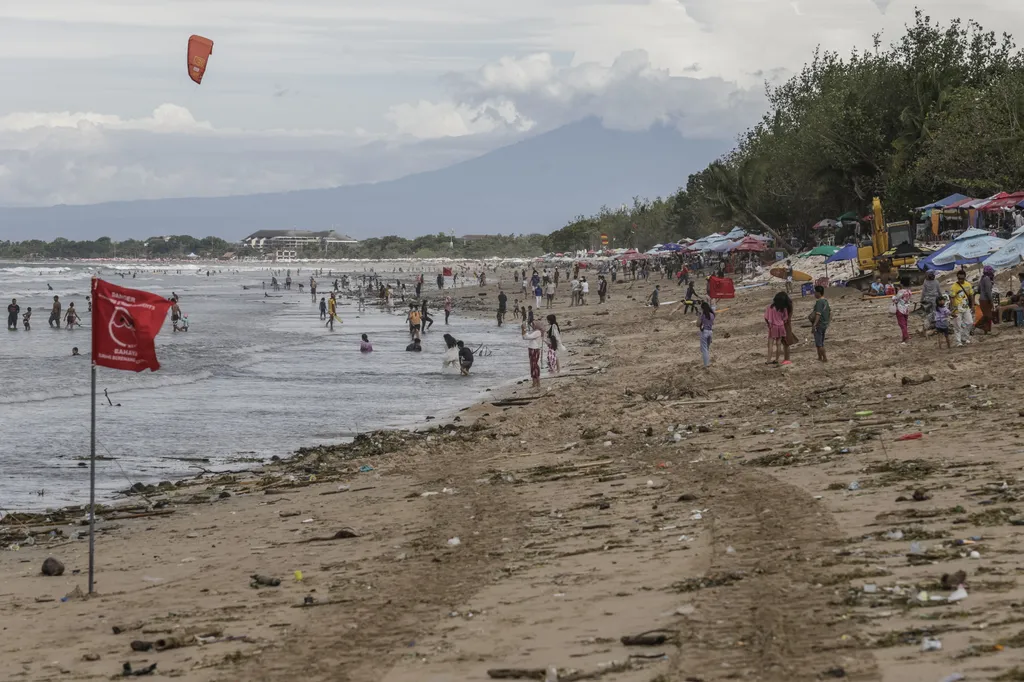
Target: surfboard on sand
[{"x": 797, "y": 275}]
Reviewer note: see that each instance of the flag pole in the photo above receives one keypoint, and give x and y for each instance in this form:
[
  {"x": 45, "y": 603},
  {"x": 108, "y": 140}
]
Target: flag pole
[{"x": 92, "y": 484}]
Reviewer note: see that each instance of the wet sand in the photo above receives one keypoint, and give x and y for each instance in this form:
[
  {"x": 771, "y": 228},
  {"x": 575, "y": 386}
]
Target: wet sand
[{"x": 640, "y": 492}]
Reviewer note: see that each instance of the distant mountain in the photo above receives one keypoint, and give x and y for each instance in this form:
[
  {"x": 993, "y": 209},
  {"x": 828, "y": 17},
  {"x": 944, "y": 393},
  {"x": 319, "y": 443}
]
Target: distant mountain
[{"x": 535, "y": 185}]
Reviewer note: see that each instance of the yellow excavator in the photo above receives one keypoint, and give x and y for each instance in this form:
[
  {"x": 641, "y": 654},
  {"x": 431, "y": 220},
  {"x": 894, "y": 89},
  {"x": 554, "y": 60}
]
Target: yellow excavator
[{"x": 876, "y": 256}]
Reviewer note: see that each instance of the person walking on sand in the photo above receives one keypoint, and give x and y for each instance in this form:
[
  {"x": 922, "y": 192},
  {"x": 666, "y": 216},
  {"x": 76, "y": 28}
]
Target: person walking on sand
[
  {"x": 961, "y": 312},
  {"x": 447, "y": 308},
  {"x": 655, "y": 298},
  {"x": 323, "y": 309},
  {"x": 789, "y": 277},
  {"x": 549, "y": 293},
  {"x": 502, "y": 305},
  {"x": 821, "y": 316},
  {"x": 55, "y": 313},
  {"x": 901, "y": 306},
  {"x": 533, "y": 335},
  {"x": 942, "y": 320},
  {"x": 988, "y": 276},
  {"x": 538, "y": 294},
  {"x": 584, "y": 290},
  {"x": 556, "y": 349},
  {"x": 602, "y": 289},
  {"x": 12, "y": 314},
  {"x": 775, "y": 316},
  {"x": 706, "y": 322}
]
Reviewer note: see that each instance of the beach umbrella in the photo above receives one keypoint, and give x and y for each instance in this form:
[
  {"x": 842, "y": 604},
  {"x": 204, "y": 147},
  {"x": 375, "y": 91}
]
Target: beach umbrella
[
  {"x": 967, "y": 251},
  {"x": 750, "y": 245},
  {"x": 723, "y": 246},
  {"x": 736, "y": 233},
  {"x": 1009, "y": 255},
  {"x": 825, "y": 224},
  {"x": 848, "y": 252},
  {"x": 823, "y": 250},
  {"x": 671, "y": 247}
]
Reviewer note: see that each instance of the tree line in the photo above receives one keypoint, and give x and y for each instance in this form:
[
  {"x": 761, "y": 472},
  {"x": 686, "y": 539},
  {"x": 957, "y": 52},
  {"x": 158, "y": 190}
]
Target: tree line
[{"x": 937, "y": 111}]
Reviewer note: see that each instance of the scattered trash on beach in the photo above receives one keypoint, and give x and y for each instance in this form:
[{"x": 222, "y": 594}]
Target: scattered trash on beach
[{"x": 52, "y": 567}]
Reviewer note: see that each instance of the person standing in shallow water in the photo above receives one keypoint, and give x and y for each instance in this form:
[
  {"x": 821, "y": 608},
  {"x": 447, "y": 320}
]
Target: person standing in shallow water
[
  {"x": 12, "y": 314},
  {"x": 55, "y": 313}
]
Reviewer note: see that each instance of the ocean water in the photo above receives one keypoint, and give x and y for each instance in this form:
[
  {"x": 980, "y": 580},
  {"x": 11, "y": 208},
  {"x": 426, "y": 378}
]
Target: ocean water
[{"x": 253, "y": 377}]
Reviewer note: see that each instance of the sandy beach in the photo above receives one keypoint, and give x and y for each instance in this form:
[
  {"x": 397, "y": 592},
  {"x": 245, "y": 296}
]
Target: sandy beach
[{"x": 745, "y": 516}]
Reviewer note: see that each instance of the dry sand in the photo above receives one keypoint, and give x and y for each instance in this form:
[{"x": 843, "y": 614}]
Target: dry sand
[{"x": 582, "y": 518}]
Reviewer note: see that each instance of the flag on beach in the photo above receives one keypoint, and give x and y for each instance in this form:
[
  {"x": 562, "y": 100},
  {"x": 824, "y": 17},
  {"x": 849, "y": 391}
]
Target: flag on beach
[
  {"x": 447, "y": 272},
  {"x": 125, "y": 323}
]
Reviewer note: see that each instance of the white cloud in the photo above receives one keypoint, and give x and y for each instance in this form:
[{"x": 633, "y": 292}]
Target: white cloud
[
  {"x": 97, "y": 104},
  {"x": 629, "y": 94}
]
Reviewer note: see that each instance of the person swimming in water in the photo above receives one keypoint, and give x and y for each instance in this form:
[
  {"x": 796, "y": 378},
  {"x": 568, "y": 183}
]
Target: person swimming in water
[
  {"x": 75, "y": 353},
  {"x": 365, "y": 346},
  {"x": 415, "y": 347}
]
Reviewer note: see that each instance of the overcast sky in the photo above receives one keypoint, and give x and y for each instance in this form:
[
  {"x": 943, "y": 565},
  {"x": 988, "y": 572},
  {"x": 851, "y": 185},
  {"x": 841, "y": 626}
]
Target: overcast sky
[{"x": 97, "y": 104}]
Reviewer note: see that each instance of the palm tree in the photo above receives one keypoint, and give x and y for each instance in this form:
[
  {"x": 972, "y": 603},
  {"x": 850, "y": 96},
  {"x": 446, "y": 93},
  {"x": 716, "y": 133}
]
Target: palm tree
[{"x": 729, "y": 191}]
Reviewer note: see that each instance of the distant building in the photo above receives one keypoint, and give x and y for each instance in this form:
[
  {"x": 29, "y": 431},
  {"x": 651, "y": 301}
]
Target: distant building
[{"x": 295, "y": 239}]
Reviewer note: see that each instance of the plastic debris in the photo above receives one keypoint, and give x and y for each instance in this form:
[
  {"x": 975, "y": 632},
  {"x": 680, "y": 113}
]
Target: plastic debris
[
  {"x": 955, "y": 677},
  {"x": 552, "y": 674},
  {"x": 975, "y": 554},
  {"x": 870, "y": 588},
  {"x": 916, "y": 548},
  {"x": 696, "y": 516},
  {"x": 298, "y": 576},
  {"x": 911, "y": 436},
  {"x": 855, "y": 485},
  {"x": 365, "y": 468},
  {"x": 959, "y": 594},
  {"x": 863, "y": 413},
  {"x": 454, "y": 542},
  {"x": 930, "y": 644},
  {"x": 894, "y": 535}
]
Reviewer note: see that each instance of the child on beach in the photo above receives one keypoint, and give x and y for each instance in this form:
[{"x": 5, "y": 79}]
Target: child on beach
[
  {"x": 707, "y": 324},
  {"x": 942, "y": 321},
  {"x": 775, "y": 316},
  {"x": 515, "y": 309},
  {"x": 529, "y": 316}
]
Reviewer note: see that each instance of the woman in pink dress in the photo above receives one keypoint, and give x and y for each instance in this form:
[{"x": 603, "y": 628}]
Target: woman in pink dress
[{"x": 776, "y": 315}]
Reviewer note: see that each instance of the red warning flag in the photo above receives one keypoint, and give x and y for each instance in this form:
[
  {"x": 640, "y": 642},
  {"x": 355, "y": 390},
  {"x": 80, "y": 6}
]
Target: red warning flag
[
  {"x": 447, "y": 272},
  {"x": 125, "y": 323}
]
